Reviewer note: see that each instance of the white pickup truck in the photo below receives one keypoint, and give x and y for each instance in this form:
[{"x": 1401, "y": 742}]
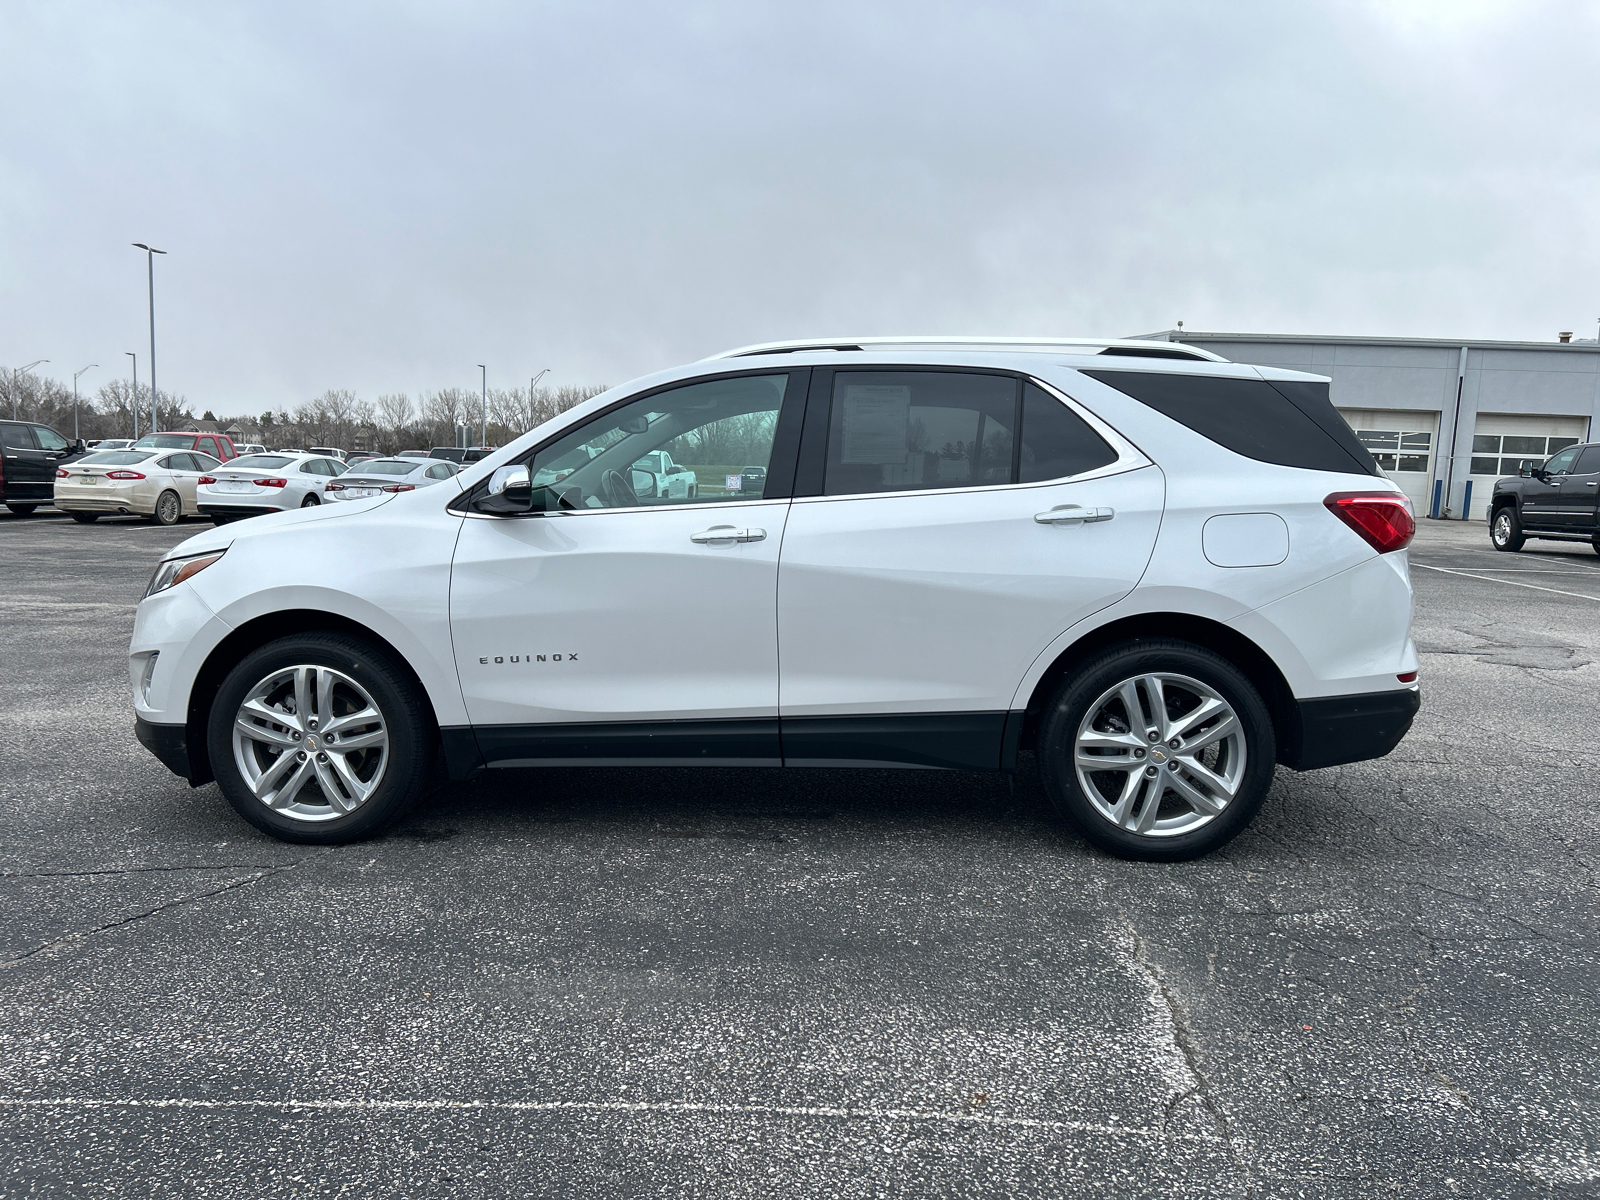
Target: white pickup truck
[{"x": 657, "y": 477}]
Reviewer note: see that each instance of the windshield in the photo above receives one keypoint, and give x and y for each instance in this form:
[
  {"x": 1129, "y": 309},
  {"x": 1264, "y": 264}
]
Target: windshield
[
  {"x": 385, "y": 466},
  {"x": 167, "y": 441},
  {"x": 116, "y": 458},
  {"x": 266, "y": 462}
]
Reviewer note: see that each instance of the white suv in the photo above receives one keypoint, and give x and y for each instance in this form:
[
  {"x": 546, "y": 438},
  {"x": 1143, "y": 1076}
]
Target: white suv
[{"x": 1159, "y": 572}]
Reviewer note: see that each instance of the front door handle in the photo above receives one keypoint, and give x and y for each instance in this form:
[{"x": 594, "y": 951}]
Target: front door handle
[
  {"x": 1074, "y": 514},
  {"x": 727, "y": 533}
]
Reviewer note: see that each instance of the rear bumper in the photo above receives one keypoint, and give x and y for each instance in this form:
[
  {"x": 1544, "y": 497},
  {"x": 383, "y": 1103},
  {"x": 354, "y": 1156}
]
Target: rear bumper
[
  {"x": 238, "y": 510},
  {"x": 169, "y": 743},
  {"x": 1347, "y": 729}
]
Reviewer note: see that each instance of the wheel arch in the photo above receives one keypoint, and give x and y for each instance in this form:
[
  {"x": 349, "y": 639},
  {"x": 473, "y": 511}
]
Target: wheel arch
[
  {"x": 258, "y": 632},
  {"x": 1245, "y": 654}
]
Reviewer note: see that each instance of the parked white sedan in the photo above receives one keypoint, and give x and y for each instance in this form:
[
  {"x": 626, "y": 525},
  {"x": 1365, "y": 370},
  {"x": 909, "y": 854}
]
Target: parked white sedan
[
  {"x": 155, "y": 484},
  {"x": 265, "y": 483},
  {"x": 373, "y": 477}
]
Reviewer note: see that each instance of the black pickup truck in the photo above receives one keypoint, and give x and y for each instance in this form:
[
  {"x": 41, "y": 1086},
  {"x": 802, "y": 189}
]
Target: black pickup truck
[
  {"x": 30, "y": 456},
  {"x": 1559, "y": 500}
]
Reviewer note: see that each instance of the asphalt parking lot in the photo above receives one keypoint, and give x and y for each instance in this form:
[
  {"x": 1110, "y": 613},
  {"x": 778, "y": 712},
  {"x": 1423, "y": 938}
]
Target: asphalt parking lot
[{"x": 854, "y": 983}]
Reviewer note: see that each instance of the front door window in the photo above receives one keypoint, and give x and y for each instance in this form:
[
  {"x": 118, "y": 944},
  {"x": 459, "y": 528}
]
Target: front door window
[{"x": 706, "y": 443}]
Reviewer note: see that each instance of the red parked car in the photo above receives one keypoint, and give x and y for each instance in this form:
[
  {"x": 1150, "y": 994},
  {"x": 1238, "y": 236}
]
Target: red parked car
[{"x": 218, "y": 445}]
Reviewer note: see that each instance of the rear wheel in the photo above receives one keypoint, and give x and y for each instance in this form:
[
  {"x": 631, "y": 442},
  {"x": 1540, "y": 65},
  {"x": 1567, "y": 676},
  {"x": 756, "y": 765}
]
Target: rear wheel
[
  {"x": 168, "y": 510},
  {"x": 219, "y": 519},
  {"x": 1505, "y": 530},
  {"x": 22, "y": 510},
  {"x": 1157, "y": 750},
  {"x": 85, "y": 518},
  {"x": 310, "y": 502},
  {"x": 320, "y": 738}
]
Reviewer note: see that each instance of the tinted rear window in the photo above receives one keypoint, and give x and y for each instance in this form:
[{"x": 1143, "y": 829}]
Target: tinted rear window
[
  {"x": 167, "y": 441},
  {"x": 386, "y": 466},
  {"x": 1290, "y": 424},
  {"x": 1057, "y": 442},
  {"x": 116, "y": 458},
  {"x": 266, "y": 462}
]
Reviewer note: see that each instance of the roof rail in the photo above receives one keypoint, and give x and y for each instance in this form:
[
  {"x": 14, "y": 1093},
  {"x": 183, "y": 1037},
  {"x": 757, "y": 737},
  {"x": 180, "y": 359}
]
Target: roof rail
[{"x": 1122, "y": 347}]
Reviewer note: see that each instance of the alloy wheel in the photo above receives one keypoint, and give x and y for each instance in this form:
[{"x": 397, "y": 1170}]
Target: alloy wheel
[
  {"x": 168, "y": 509},
  {"x": 1502, "y": 528},
  {"x": 1160, "y": 754},
  {"x": 310, "y": 742}
]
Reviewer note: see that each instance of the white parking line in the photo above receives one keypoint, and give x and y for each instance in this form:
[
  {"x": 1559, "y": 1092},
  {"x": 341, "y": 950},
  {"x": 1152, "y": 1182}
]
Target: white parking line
[
  {"x": 1508, "y": 582},
  {"x": 662, "y": 1108}
]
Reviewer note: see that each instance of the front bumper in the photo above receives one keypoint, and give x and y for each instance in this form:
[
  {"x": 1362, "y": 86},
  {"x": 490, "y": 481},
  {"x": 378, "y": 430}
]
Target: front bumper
[
  {"x": 169, "y": 743},
  {"x": 1346, "y": 729}
]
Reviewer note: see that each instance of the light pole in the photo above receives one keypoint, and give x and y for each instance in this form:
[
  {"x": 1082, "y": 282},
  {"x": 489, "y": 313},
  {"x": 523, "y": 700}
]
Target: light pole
[
  {"x": 135, "y": 358},
  {"x": 483, "y": 409},
  {"x": 150, "y": 271},
  {"x": 90, "y": 367},
  {"x": 15, "y": 375}
]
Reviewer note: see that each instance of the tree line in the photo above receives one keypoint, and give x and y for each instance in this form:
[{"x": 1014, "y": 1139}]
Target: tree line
[{"x": 338, "y": 417}]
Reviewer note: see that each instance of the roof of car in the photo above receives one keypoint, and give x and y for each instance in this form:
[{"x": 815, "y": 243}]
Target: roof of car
[{"x": 1117, "y": 347}]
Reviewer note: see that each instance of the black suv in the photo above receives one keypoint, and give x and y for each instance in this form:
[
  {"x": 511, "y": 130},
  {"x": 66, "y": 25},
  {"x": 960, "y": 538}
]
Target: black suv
[
  {"x": 30, "y": 455},
  {"x": 1559, "y": 500}
]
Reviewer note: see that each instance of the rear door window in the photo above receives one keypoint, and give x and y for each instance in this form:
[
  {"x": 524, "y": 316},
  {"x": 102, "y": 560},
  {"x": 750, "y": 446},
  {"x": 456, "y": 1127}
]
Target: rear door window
[
  {"x": 1057, "y": 442},
  {"x": 1588, "y": 461},
  {"x": 898, "y": 431},
  {"x": 17, "y": 437},
  {"x": 1281, "y": 423}
]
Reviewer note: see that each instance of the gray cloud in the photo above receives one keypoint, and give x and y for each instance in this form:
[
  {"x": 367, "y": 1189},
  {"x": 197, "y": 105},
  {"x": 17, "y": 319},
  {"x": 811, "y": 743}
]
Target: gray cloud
[{"x": 378, "y": 197}]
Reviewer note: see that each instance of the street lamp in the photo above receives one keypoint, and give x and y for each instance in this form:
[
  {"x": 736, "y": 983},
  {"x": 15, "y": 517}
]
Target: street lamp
[
  {"x": 150, "y": 272},
  {"x": 90, "y": 367},
  {"x": 135, "y": 358},
  {"x": 15, "y": 375},
  {"x": 483, "y": 409}
]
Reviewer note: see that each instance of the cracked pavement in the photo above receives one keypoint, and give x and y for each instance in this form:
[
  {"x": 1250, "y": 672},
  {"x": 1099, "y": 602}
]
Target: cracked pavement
[{"x": 852, "y": 983}]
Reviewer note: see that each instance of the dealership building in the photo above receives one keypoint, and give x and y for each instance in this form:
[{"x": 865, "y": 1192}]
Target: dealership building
[{"x": 1444, "y": 418}]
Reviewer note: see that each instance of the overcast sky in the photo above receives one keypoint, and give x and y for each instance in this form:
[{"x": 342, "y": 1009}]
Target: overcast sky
[{"x": 381, "y": 197}]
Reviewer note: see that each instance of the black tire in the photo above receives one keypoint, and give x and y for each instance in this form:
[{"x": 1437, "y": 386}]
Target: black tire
[
  {"x": 219, "y": 519},
  {"x": 84, "y": 518},
  {"x": 168, "y": 509},
  {"x": 1505, "y": 529},
  {"x": 412, "y": 737},
  {"x": 22, "y": 510},
  {"x": 1085, "y": 689},
  {"x": 310, "y": 502}
]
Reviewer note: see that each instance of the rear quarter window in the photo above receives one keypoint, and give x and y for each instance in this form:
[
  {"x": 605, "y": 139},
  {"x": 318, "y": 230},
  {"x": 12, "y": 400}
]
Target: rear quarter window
[{"x": 1290, "y": 424}]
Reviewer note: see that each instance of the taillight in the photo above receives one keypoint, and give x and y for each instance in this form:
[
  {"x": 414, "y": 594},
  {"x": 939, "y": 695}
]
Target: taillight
[
  {"x": 401, "y": 487},
  {"x": 61, "y": 474},
  {"x": 123, "y": 475},
  {"x": 333, "y": 487},
  {"x": 271, "y": 482},
  {"x": 1383, "y": 519},
  {"x": 1407, "y": 677},
  {"x": 206, "y": 479}
]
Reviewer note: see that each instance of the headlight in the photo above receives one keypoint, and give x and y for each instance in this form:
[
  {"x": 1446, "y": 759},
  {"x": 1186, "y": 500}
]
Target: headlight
[{"x": 175, "y": 570}]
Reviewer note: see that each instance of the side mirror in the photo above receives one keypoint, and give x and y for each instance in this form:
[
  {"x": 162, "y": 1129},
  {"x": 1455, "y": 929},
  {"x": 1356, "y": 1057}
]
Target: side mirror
[
  {"x": 80, "y": 447},
  {"x": 509, "y": 492}
]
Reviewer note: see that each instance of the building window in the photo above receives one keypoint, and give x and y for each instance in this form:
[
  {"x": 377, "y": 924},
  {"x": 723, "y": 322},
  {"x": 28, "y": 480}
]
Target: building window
[
  {"x": 1520, "y": 452},
  {"x": 1397, "y": 451}
]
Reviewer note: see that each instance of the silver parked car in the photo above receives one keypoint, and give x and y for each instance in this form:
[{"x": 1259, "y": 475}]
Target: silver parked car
[
  {"x": 379, "y": 475},
  {"x": 254, "y": 484}
]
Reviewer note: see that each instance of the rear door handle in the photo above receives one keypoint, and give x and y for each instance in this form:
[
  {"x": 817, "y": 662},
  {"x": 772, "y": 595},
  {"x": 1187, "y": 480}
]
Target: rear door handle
[
  {"x": 727, "y": 533},
  {"x": 1074, "y": 514}
]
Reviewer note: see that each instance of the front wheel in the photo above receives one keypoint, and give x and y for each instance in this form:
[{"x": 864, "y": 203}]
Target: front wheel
[
  {"x": 320, "y": 738},
  {"x": 1505, "y": 530},
  {"x": 1157, "y": 750}
]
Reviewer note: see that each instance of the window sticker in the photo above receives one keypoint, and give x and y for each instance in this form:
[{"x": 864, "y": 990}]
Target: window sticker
[{"x": 877, "y": 421}]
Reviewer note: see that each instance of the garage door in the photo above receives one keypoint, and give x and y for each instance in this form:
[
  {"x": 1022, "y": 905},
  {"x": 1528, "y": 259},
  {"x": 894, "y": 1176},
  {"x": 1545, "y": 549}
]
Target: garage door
[
  {"x": 1402, "y": 442},
  {"x": 1505, "y": 443}
]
